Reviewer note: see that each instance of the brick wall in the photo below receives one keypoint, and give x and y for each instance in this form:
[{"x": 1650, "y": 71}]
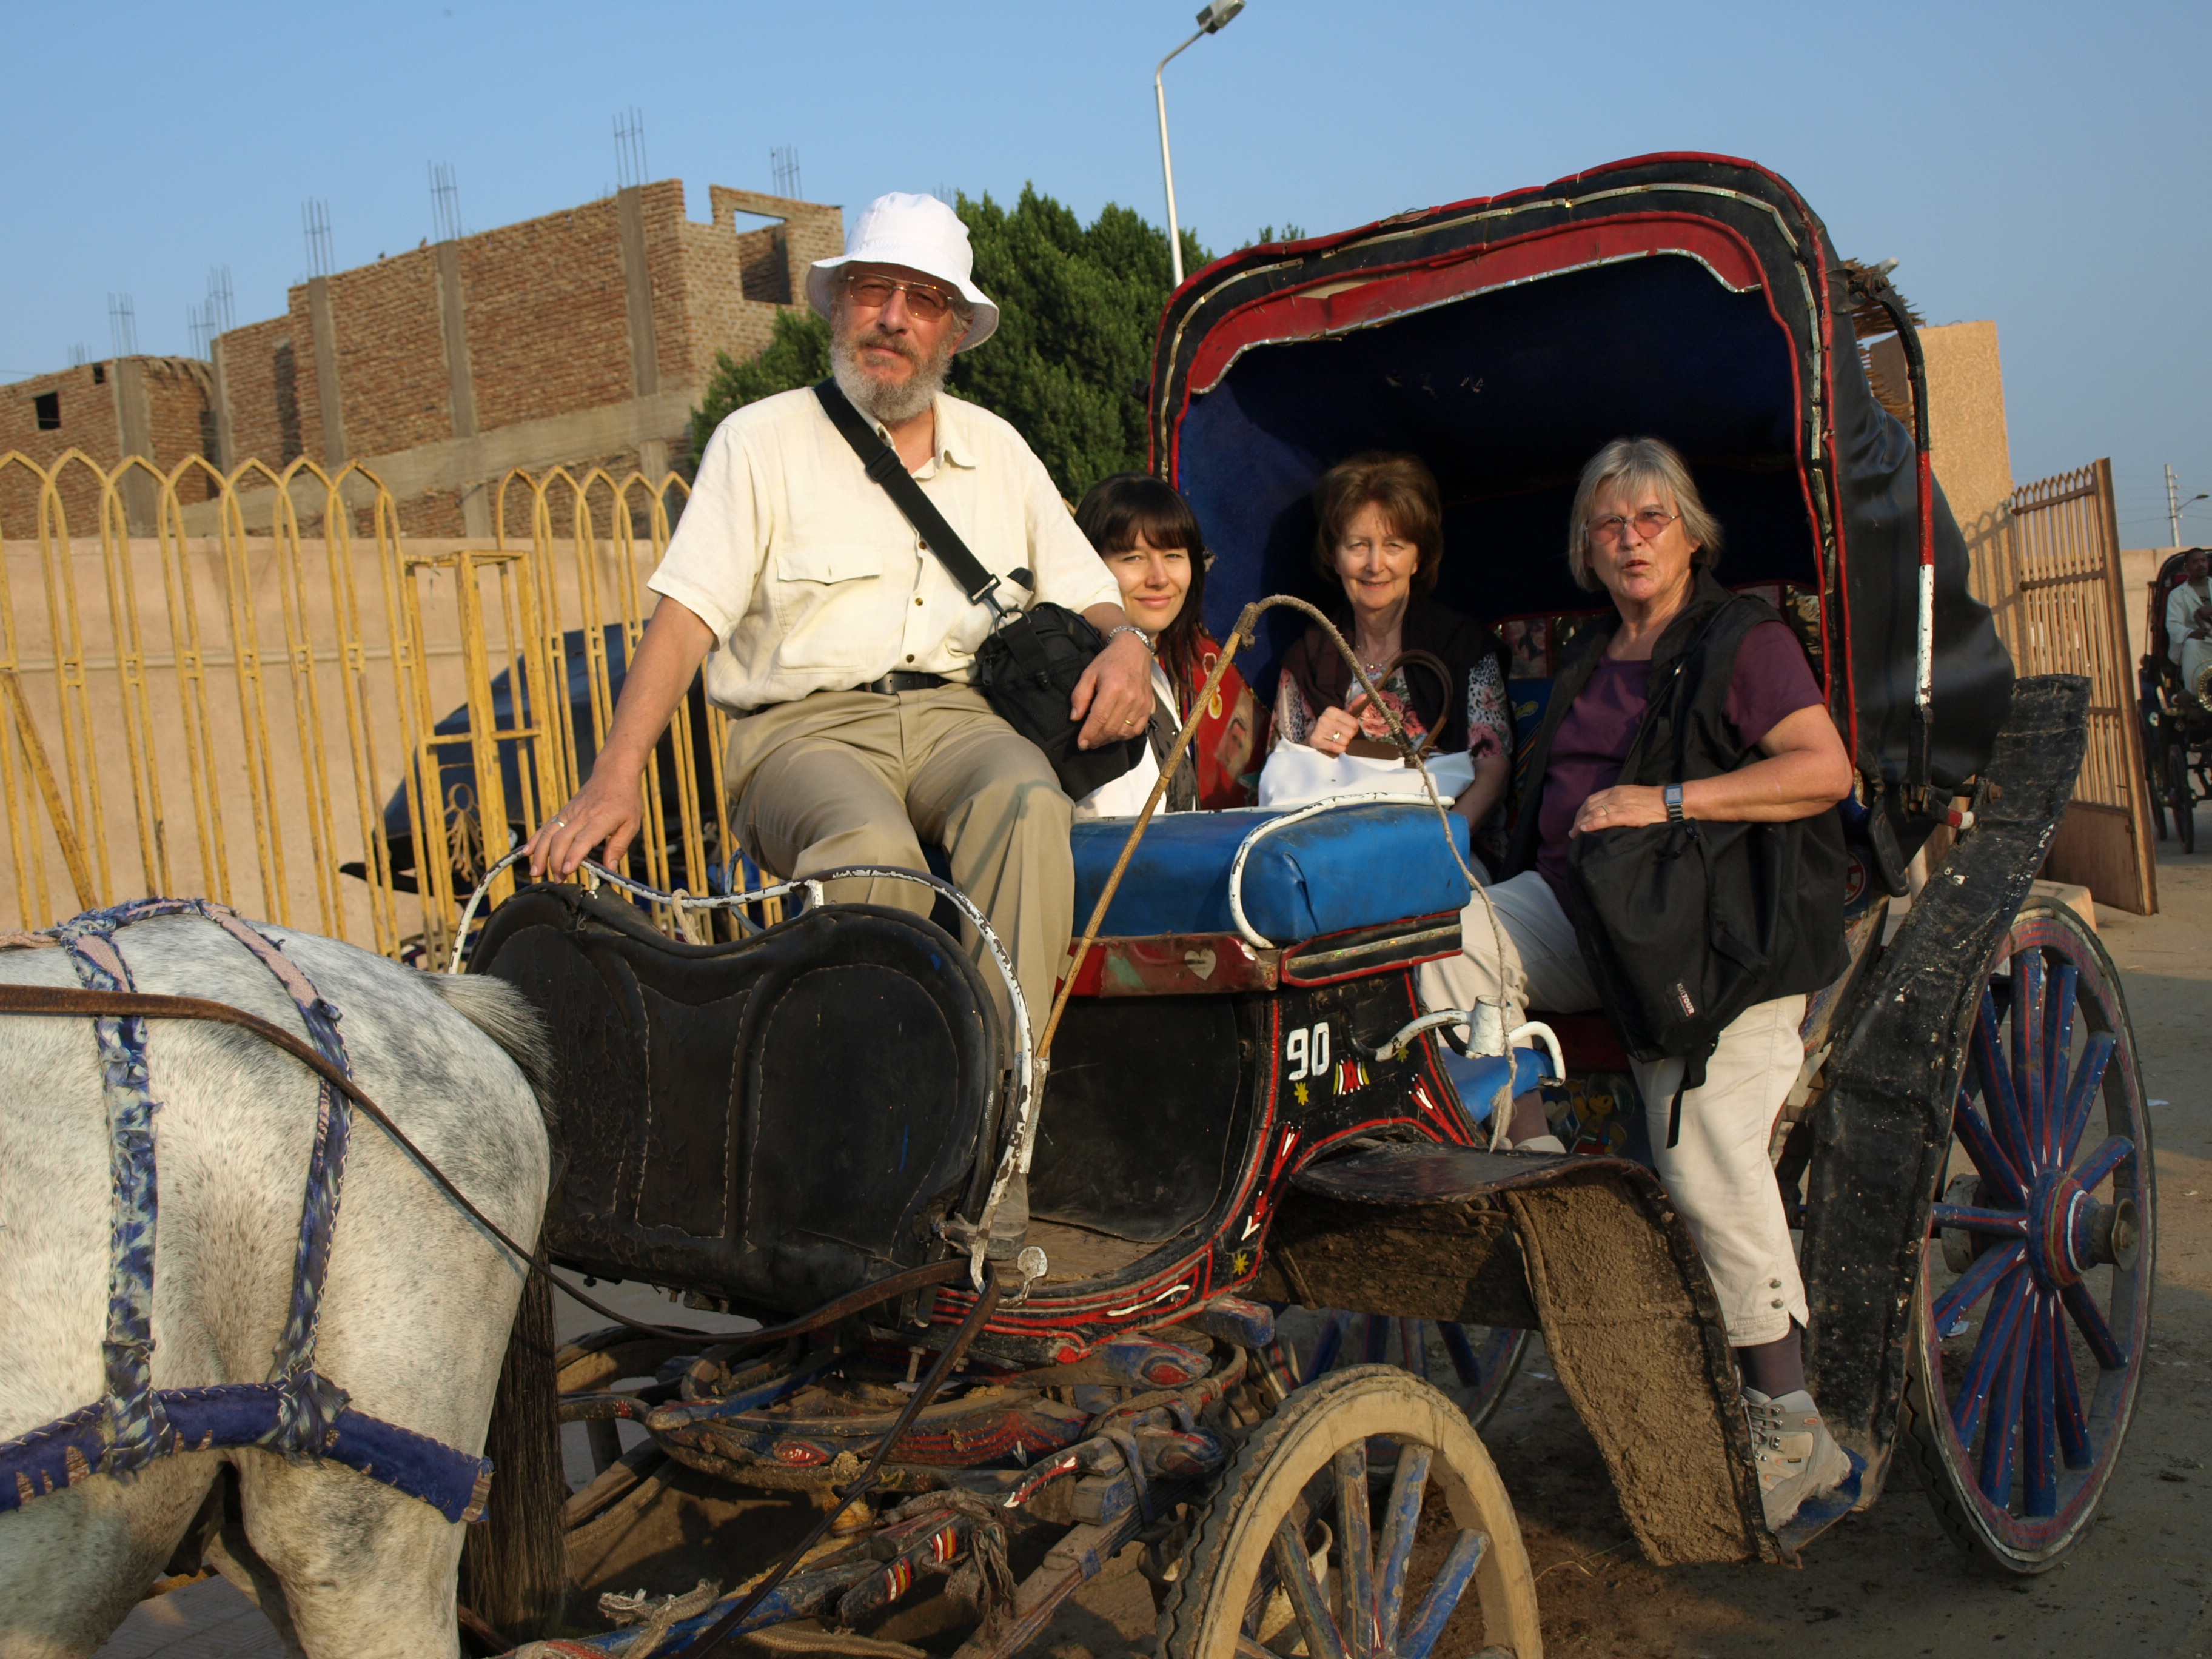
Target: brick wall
[
  {"x": 180, "y": 410},
  {"x": 87, "y": 408},
  {"x": 390, "y": 355},
  {"x": 546, "y": 324},
  {"x": 179, "y": 423}
]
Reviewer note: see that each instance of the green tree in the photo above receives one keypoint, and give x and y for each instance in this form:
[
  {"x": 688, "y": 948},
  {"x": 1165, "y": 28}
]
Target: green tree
[
  {"x": 798, "y": 354},
  {"x": 1072, "y": 359}
]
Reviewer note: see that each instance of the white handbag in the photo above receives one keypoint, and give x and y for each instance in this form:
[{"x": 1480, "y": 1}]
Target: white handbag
[{"x": 1295, "y": 775}]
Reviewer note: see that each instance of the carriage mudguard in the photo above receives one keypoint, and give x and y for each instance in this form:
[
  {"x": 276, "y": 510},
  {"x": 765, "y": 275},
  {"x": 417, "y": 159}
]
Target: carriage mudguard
[
  {"x": 771, "y": 1122},
  {"x": 1591, "y": 1249}
]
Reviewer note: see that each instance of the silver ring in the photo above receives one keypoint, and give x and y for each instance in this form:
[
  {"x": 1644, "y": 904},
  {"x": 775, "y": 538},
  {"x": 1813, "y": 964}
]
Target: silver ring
[{"x": 563, "y": 823}]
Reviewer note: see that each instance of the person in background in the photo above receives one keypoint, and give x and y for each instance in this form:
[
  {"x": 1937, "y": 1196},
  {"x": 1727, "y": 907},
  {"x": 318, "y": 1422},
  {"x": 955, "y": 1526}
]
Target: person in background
[
  {"x": 1149, "y": 540},
  {"x": 2188, "y": 619},
  {"x": 1756, "y": 744},
  {"x": 1380, "y": 541}
]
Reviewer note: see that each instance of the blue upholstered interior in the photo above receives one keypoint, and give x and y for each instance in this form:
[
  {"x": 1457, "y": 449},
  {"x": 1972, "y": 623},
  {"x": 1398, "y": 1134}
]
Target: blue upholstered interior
[
  {"x": 1476, "y": 1077},
  {"x": 1505, "y": 394},
  {"x": 1351, "y": 867}
]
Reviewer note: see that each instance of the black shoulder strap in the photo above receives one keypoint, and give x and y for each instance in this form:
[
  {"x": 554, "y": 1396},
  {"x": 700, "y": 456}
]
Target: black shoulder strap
[{"x": 886, "y": 468}]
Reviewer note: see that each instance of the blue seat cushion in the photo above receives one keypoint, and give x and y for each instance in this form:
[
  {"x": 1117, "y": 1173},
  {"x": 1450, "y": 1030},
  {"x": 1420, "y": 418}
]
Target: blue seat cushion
[
  {"x": 1353, "y": 866},
  {"x": 1476, "y": 1077}
]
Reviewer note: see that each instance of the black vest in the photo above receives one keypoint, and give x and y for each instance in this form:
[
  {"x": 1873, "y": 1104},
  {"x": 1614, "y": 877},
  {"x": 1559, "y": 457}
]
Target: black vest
[{"x": 1777, "y": 911}]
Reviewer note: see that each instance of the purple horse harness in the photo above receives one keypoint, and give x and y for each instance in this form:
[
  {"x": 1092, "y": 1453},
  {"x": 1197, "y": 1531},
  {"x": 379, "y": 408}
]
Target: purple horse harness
[{"x": 298, "y": 1412}]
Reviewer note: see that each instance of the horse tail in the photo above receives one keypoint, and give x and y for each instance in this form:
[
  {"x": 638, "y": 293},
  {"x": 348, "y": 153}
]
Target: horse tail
[{"x": 514, "y": 1564}]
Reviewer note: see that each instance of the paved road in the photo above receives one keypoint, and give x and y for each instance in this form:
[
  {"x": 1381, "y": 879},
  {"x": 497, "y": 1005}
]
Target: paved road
[{"x": 1888, "y": 1583}]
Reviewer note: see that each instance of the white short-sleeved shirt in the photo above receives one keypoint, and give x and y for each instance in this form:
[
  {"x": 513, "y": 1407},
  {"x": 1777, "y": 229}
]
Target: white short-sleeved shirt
[
  {"x": 2181, "y": 607},
  {"x": 812, "y": 580}
]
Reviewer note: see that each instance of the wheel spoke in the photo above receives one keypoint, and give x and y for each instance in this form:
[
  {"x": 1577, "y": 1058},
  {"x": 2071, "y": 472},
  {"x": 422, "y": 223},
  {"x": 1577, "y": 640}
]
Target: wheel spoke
[
  {"x": 1971, "y": 1219},
  {"x": 1413, "y": 1347},
  {"x": 1308, "y": 1605},
  {"x": 1356, "y": 1551},
  {"x": 1401, "y": 1518},
  {"x": 2003, "y": 1417},
  {"x": 2005, "y": 1124},
  {"x": 2029, "y": 1063},
  {"x": 2090, "y": 1322},
  {"x": 2066, "y": 1387},
  {"x": 1971, "y": 1286},
  {"x": 1327, "y": 1341},
  {"x": 1991, "y": 1348},
  {"x": 1991, "y": 1162},
  {"x": 1437, "y": 1607},
  {"x": 2102, "y": 1162},
  {"x": 2057, "y": 1042},
  {"x": 2038, "y": 1451},
  {"x": 2082, "y": 1097},
  {"x": 1374, "y": 1337},
  {"x": 1462, "y": 1353}
]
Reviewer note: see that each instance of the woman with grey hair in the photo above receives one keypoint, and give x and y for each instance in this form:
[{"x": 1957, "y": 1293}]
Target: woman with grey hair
[{"x": 1692, "y": 704}]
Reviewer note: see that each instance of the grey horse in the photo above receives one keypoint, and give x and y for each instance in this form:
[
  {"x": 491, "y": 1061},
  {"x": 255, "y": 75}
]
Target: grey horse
[{"x": 418, "y": 1306}]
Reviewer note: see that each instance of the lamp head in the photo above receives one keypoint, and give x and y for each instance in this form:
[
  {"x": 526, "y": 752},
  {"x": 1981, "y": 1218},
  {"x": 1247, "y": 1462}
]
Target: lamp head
[{"x": 1216, "y": 15}]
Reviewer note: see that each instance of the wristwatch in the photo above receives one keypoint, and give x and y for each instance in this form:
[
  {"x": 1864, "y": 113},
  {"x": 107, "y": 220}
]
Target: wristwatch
[
  {"x": 1143, "y": 638},
  {"x": 1673, "y": 794}
]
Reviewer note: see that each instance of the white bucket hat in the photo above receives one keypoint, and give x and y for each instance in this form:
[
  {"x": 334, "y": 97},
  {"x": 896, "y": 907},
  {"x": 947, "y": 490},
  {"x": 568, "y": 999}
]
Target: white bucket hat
[{"x": 922, "y": 234}]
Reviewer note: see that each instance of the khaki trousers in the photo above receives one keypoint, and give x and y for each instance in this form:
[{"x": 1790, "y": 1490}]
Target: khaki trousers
[
  {"x": 853, "y": 777},
  {"x": 1718, "y": 1173}
]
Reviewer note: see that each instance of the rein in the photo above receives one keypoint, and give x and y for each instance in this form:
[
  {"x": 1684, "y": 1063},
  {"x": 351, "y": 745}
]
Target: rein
[{"x": 51, "y": 1000}]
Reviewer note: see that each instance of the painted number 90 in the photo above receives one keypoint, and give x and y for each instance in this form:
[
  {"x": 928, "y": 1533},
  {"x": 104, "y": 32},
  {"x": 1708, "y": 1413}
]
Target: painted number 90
[{"x": 1306, "y": 1052}]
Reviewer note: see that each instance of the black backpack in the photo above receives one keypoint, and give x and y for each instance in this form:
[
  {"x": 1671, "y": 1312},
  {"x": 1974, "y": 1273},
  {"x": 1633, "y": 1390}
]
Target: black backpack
[{"x": 1685, "y": 926}]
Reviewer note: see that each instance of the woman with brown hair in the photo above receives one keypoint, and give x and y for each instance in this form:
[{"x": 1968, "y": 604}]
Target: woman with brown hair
[
  {"x": 1148, "y": 536},
  {"x": 1381, "y": 539}
]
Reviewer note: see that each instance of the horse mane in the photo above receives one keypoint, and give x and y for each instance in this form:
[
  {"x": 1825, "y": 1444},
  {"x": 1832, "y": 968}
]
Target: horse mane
[{"x": 510, "y": 1019}]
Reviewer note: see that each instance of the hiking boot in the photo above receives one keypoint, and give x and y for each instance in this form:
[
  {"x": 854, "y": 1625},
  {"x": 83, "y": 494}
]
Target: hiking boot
[{"x": 1790, "y": 1447}]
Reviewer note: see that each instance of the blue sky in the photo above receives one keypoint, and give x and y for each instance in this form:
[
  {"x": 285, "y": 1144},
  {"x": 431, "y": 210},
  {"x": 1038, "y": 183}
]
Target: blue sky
[{"x": 2045, "y": 167}]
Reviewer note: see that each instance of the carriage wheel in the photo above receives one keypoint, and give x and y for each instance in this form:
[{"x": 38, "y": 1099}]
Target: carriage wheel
[
  {"x": 2033, "y": 1303},
  {"x": 1299, "y": 1495},
  {"x": 1483, "y": 1358},
  {"x": 2178, "y": 793}
]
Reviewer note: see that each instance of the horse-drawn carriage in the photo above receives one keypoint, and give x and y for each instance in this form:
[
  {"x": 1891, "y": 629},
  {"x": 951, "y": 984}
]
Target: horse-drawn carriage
[
  {"x": 1237, "y": 1105},
  {"x": 2177, "y": 715},
  {"x": 828, "y": 1110}
]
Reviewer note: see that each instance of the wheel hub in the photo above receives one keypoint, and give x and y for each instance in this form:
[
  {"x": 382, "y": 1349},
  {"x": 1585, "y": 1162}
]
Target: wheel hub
[{"x": 2069, "y": 1232}]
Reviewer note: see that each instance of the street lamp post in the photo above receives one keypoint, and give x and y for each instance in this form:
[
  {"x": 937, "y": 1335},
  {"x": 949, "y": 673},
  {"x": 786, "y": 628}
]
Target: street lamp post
[{"x": 1211, "y": 20}]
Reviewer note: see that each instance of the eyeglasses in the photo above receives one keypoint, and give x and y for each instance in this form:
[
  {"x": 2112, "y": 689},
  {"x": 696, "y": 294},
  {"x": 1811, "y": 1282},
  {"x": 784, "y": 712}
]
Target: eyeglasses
[
  {"x": 1649, "y": 521},
  {"x": 927, "y": 303}
]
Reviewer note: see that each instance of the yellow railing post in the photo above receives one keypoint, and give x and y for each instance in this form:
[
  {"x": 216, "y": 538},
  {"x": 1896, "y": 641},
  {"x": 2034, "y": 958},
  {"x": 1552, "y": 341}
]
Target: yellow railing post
[{"x": 144, "y": 679}]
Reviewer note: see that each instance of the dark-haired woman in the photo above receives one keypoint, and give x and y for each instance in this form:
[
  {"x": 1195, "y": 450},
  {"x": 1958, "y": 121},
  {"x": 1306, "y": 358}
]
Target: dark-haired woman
[
  {"x": 1381, "y": 539},
  {"x": 1149, "y": 540}
]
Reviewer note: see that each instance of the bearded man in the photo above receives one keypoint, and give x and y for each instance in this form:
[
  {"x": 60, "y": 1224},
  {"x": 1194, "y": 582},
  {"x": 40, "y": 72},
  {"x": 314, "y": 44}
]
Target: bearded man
[{"x": 839, "y": 643}]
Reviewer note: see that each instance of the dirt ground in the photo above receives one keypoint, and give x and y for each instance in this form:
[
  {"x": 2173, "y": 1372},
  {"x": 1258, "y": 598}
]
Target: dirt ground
[{"x": 1886, "y": 1583}]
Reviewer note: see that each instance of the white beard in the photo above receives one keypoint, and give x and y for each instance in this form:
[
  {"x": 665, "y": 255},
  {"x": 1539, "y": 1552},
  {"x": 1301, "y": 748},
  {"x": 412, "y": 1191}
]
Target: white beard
[{"x": 879, "y": 401}]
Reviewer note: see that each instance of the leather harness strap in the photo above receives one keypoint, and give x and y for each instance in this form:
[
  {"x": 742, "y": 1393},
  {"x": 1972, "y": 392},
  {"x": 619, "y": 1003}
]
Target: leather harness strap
[{"x": 55, "y": 1000}]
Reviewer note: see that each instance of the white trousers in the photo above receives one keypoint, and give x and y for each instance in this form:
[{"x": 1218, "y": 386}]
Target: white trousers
[{"x": 1717, "y": 1173}]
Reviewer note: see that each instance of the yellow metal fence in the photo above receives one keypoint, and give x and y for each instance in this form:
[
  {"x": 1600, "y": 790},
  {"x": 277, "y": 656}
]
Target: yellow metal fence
[{"x": 246, "y": 703}]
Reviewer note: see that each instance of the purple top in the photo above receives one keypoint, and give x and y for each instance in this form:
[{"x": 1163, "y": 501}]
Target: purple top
[{"x": 1773, "y": 681}]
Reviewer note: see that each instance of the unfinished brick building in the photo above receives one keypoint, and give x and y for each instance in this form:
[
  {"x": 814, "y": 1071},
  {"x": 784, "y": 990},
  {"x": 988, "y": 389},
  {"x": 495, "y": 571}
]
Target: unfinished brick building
[
  {"x": 160, "y": 407},
  {"x": 580, "y": 339},
  {"x": 583, "y": 337}
]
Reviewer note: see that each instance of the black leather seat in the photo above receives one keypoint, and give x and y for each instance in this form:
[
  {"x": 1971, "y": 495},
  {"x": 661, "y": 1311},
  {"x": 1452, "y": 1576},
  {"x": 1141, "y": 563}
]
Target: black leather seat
[{"x": 771, "y": 1122}]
